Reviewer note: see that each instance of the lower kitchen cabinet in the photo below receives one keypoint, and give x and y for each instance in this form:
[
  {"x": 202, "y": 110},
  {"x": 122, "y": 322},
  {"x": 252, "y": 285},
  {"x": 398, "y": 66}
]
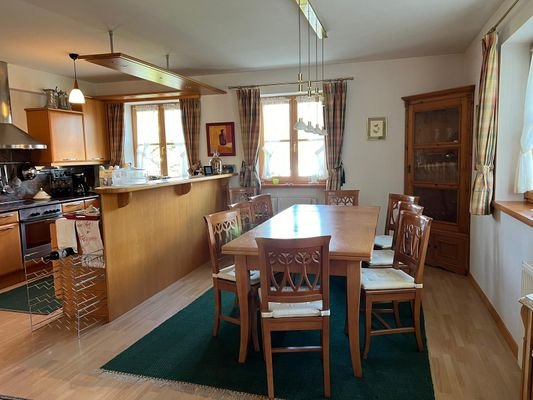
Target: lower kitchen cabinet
[{"x": 10, "y": 254}]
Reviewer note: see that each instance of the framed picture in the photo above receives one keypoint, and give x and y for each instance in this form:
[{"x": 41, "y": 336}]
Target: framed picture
[
  {"x": 220, "y": 138},
  {"x": 376, "y": 128},
  {"x": 208, "y": 170}
]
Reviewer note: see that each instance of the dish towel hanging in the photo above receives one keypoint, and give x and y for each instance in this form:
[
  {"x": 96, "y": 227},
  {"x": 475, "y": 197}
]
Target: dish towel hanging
[{"x": 66, "y": 234}]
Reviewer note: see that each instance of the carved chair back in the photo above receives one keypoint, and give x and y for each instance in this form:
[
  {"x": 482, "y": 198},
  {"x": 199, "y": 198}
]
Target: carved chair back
[
  {"x": 222, "y": 227},
  {"x": 262, "y": 208},
  {"x": 238, "y": 194},
  {"x": 294, "y": 270},
  {"x": 247, "y": 214},
  {"x": 392, "y": 209},
  {"x": 342, "y": 197},
  {"x": 407, "y": 207}
]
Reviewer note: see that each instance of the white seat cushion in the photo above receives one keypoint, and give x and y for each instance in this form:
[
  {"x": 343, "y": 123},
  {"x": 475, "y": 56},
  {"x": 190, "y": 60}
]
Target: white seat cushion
[
  {"x": 386, "y": 278},
  {"x": 383, "y": 241},
  {"x": 381, "y": 257},
  {"x": 228, "y": 274},
  {"x": 287, "y": 310}
]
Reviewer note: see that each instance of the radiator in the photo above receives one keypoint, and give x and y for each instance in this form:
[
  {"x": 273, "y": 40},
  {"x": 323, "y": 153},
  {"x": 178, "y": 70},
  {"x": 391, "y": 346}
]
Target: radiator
[
  {"x": 281, "y": 203},
  {"x": 527, "y": 278}
]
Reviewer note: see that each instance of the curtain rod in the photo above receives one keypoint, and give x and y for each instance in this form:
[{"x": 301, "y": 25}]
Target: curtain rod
[
  {"x": 503, "y": 17},
  {"x": 350, "y": 78}
]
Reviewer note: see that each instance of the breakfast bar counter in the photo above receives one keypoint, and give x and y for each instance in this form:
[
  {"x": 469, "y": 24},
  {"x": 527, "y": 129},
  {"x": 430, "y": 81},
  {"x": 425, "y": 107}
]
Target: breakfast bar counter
[{"x": 154, "y": 234}]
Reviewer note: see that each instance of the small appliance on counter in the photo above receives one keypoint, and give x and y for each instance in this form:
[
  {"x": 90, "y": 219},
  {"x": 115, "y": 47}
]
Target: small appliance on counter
[
  {"x": 79, "y": 183},
  {"x": 60, "y": 182}
]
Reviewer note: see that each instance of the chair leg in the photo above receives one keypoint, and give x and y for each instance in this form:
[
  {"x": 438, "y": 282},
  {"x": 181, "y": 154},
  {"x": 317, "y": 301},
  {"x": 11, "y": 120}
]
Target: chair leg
[
  {"x": 253, "y": 320},
  {"x": 368, "y": 325},
  {"x": 416, "y": 321},
  {"x": 267, "y": 346},
  {"x": 325, "y": 357},
  {"x": 395, "y": 306},
  {"x": 218, "y": 300}
]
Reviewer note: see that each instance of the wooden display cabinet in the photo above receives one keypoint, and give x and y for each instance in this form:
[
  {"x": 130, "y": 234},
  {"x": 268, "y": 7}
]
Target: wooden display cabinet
[
  {"x": 438, "y": 160},
  {"x": 95, "y": 128}
]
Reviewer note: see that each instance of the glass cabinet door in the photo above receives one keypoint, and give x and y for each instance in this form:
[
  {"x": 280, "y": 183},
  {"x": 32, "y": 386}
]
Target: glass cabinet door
[
  {"x": 439, "y": 204},
  {"x": 437, "y": 126},
  {"x": 437, "y": 165}
]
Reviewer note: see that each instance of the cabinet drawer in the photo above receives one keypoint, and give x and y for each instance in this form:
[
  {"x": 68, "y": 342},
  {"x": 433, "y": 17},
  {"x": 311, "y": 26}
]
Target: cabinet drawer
[
  {"x": 92, "y": 202},
  {"x": 10, "y": 248},
  {"x": 9, "y": 218},
  {"x": 448, "y": 251},
  {"x": 72, "y": 206}
]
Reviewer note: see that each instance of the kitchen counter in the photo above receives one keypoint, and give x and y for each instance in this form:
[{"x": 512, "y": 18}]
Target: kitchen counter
[
  {"x": 154, "y": 234},
  {"x": 22, "y": 204}
]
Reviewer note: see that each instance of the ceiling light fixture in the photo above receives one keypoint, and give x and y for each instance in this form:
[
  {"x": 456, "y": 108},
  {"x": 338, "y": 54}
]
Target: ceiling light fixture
[{"x": 76, "y": 96}]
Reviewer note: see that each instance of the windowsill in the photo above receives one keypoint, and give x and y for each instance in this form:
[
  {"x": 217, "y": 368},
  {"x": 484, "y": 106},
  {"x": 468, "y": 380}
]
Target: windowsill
[
  {"x": 520, "y": 210},
  {"x": 294, "y": 185}
]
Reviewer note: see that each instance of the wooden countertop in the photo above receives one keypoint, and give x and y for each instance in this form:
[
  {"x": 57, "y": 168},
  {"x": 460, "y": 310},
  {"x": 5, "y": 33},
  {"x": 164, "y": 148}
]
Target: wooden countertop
[
  {"x": 157, "y": 184},
  {"x": 521, "y": 210}
]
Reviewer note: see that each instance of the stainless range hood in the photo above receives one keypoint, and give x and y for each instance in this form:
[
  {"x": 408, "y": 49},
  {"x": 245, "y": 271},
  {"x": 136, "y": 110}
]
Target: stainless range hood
[{"x": 12, "y": 137}]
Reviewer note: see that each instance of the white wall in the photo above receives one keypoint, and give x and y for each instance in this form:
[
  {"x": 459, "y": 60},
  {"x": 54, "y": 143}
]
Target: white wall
[
  {"x": 374, "y": 167},
  {"x": 499, "y": 243}
]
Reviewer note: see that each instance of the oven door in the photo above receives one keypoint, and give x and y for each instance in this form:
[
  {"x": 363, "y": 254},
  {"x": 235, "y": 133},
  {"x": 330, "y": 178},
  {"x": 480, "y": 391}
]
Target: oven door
[{"x": 36, "y": 240}]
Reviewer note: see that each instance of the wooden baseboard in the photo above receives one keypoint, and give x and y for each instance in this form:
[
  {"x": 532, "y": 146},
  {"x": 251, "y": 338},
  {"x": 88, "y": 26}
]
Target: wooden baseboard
[{"x": 499, "y": 322}]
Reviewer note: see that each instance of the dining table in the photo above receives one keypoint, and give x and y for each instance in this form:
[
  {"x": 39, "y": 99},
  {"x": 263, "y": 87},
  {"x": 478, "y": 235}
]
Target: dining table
[{"x": 352, "y": 230}]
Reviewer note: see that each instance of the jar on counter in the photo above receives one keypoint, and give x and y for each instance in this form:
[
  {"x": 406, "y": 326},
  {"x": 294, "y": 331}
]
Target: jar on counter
[{"x": 216, "y": 164}]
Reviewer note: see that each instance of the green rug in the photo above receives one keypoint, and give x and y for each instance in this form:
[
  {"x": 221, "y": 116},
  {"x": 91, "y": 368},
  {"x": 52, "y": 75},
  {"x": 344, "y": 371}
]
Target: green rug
[
  {"x": 183, "y": 349},
  {"x": 41, "y": 293}
]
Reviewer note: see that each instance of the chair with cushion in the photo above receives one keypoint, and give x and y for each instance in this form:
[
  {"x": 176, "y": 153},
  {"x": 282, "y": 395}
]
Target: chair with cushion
[
  {"x": 222, "y": 227},
  {"x": 385, "y": 241},
  {"x": 386, "y": 285},
  {"x": 247, "y": 215},
  {"x": 262, "y": 208},
  {"x": 294, "y": 296},
  {"x": 385, "y": 257},
  {"x": 342, "y": 197},
  {"x": 238, "y": 194}
]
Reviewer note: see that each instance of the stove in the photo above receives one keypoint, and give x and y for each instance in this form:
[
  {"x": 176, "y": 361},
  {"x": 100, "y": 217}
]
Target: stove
[{"x": 35, "y": 229}]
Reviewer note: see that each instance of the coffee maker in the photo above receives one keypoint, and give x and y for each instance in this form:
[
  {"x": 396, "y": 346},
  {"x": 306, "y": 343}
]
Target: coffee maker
[{"x": 79, "y": 183}]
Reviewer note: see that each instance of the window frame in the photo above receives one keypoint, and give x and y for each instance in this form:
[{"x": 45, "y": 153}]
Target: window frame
[
  {"x": 293, "y": 150},
  {"x": 162, "y": 132}
]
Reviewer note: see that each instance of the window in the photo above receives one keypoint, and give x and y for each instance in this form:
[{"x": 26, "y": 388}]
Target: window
[
  {"x": 159, "y": 145},
  {"x": 290, "y": 155}
]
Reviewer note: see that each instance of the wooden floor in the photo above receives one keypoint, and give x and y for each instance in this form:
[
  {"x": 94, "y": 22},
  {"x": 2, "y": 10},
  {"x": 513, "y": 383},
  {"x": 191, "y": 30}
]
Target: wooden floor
[{"x": 469, "y": 359}]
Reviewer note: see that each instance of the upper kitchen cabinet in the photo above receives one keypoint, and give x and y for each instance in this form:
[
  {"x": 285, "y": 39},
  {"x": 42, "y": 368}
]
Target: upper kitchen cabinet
[
  {"x": 96, "y": 138},
  {"x": 438, "y": 164},
  {"x": 73, "y": 137},
  {"x": 61, "y": 131}
]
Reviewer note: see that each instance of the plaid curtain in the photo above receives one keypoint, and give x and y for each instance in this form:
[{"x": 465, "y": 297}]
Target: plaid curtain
[
  {"x": 190, "y": 119},
  {"x": 249, "y": 102},
  {"x": 487, "y": 127},
  {"x": 334, "y": 115},
  {"x": 115, "y": 129}
]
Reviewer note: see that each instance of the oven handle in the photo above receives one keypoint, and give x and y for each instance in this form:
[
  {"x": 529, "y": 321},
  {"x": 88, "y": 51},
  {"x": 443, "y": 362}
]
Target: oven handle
[{"x": 29, "y": 221}]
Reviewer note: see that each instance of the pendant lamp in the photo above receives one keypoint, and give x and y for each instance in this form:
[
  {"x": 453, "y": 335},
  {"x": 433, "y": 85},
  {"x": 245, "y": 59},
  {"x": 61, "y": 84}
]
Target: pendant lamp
[{"x": 76, "y": 96}]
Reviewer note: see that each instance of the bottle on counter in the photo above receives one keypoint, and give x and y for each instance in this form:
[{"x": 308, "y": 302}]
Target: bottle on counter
[{"x": 216, "y": 164}]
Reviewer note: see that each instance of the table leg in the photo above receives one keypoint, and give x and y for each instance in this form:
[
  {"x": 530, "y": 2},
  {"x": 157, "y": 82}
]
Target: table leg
[
  {"x": 353, "y": 276},
  {"x": 243, "y": 288}
]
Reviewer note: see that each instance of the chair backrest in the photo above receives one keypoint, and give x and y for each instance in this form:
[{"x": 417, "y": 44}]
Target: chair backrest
[
  {"x": 342, "y": 197},
  {"x": 247, "y": 214},
  {"x": 238, "y": 194},
  {"x": 294, "y": 270},
  {"x": 262, "y": 208},
  {"x": 392, "y": 209},
  {"x": 412, "y": 243},
  {"x": 222, "y": 227},
  {"x": 407, "y": 207}
]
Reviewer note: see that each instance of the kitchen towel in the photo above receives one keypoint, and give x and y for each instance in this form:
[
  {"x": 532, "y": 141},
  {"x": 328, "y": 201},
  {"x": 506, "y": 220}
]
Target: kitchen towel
[
  {"x": 91, "y": 245},
  {"x": 66, "y": 234}
]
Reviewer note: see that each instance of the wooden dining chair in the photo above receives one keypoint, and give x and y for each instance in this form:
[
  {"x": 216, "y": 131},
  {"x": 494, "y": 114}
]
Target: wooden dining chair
[
  {"x": 238, "y": 194},
  {"x": 247, "y": 214},
  {"x": 262, "y": 208},
  {"x": 385, "y": 257},
  {"x": 402, "y": 282},
  {"x": 385, "y": 241},
  {"x": 342, "y": 197},
  {"x": 294, "y": 296},
  {"x": 222, "y": 227}
]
